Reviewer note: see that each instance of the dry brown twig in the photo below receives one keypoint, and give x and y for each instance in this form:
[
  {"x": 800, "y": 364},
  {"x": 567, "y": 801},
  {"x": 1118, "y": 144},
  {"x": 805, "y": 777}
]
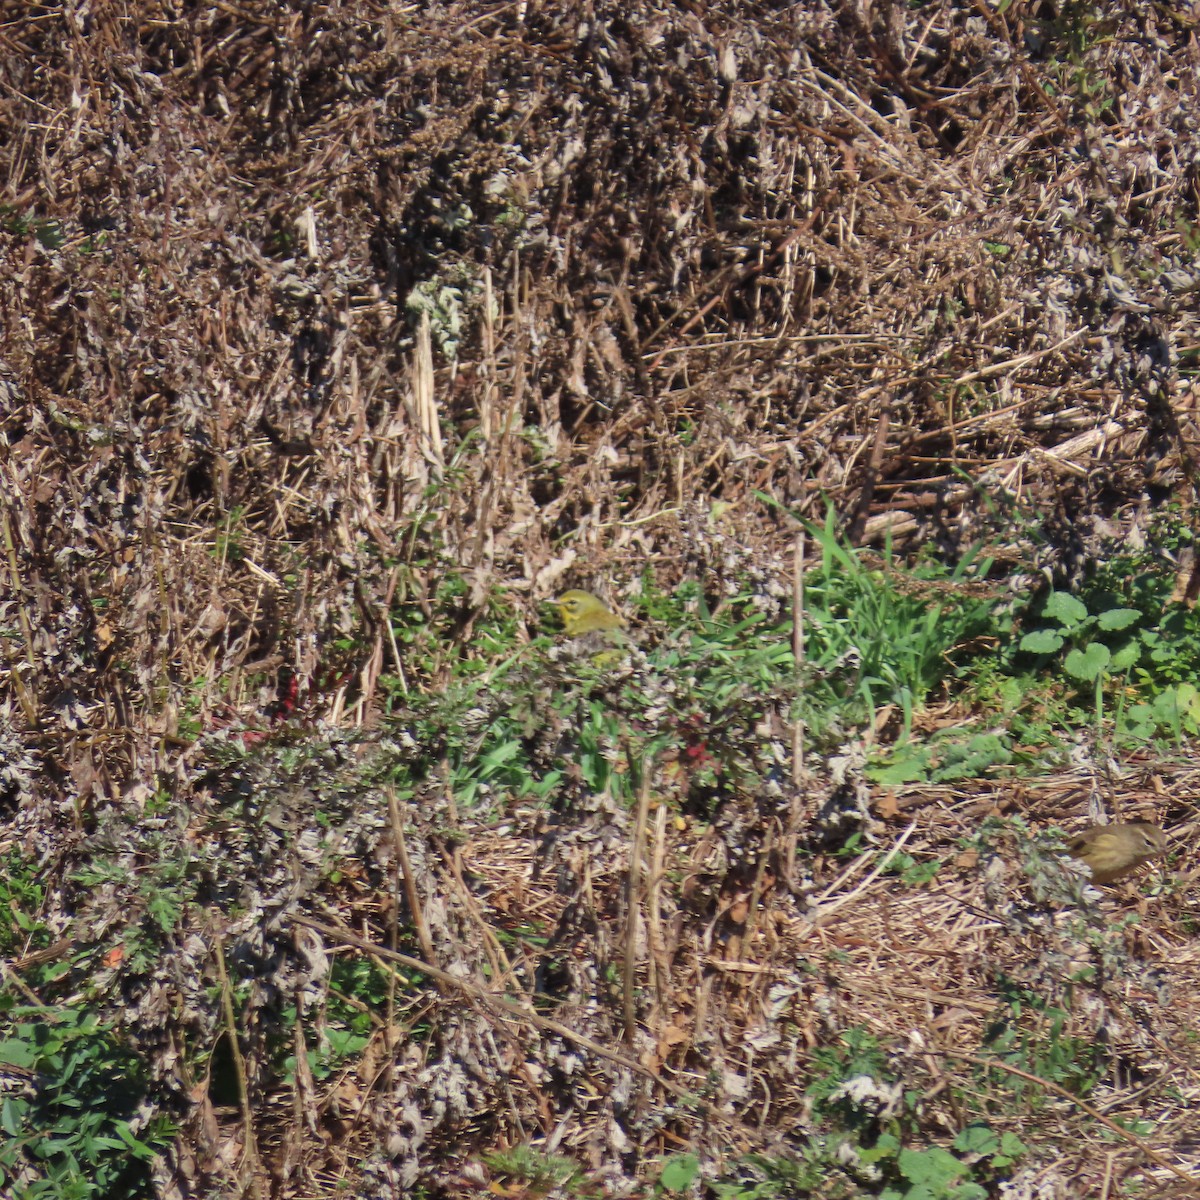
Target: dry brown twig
[
  {"x": 251, "y": 1164},
  {"x": 412, "y": 896},
  {"x": 1149, "y": 1151},
  {"x": 509, "y": 1009},
  {"x": 633, "y": 901}
]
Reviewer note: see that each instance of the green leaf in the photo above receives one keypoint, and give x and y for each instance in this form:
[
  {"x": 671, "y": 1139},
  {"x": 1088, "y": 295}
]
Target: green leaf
[
  {"x": 1125, "y": 656},
  {"x": 920, "y": 873},
  {"x": 1063, "y": 607},
  {"x": 1011, "y": 1149},
  {"x": 972, "y": 759},
  {"x": 13, "y": 1115},
  {"x": 932, "y": 1166},
  {"x": 1087, "y": 664},
  {"x": 907, "y": 765},
  {"x": 1042, "y": 641},
  {"x": 977, "y": 1139},
  {"x": 679, "y": 1172},
  {"x": 499, "y": 755},
  {"x": 1118, "y": 618},
  {"x": 886, "y": 1146},
  {"x": 17, "y": 1053},
  {"x": 1142, "y": 722}
]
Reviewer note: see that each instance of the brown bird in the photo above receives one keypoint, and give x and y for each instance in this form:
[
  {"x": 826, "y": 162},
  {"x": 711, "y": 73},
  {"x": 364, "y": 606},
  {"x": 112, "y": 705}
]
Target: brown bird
[{"x": 1112, "y": 851}]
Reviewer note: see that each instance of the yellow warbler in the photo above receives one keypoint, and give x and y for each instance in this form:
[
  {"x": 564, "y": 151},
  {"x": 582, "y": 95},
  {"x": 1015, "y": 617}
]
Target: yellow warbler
[
  {"x": 581, "y": 612},
  {"x": 1111, "y": 851}
]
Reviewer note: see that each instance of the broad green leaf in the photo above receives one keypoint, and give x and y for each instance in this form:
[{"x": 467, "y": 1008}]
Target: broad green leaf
[
  {"x": 933, "y": 1166},
  {"x": 1062, "y": 606},
  {"x": 1088, "y": 663},
  {"x": 1125, "y": 656},
  {"x": 977, "y": 1139},
  {"x": 1042, "y": 641},
  {"x": 679, "y": 1172},
  {"x": 1118, "y": 618}
]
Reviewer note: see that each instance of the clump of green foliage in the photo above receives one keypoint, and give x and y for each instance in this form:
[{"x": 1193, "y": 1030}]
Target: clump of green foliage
[{"x": 75, "y": 1134}]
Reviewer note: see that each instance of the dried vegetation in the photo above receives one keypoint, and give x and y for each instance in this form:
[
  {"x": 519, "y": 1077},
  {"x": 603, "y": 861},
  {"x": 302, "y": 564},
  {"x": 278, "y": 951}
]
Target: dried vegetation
[{"x": 306, "y": 310}]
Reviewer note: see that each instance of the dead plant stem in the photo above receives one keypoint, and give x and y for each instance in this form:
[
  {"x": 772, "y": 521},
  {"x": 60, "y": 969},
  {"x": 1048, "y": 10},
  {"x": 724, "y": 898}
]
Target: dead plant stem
[
  {"x": 250, "y": 1161},
  {"x": 633, "y": 910},
  {"x": 396, "y": 812},
  {"x": 993, "y": 1064},
  {"x": 508, "y": 1008}
]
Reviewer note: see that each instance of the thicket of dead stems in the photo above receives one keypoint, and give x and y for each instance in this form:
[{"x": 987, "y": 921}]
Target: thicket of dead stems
[{"x": 304, "y": 308}]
